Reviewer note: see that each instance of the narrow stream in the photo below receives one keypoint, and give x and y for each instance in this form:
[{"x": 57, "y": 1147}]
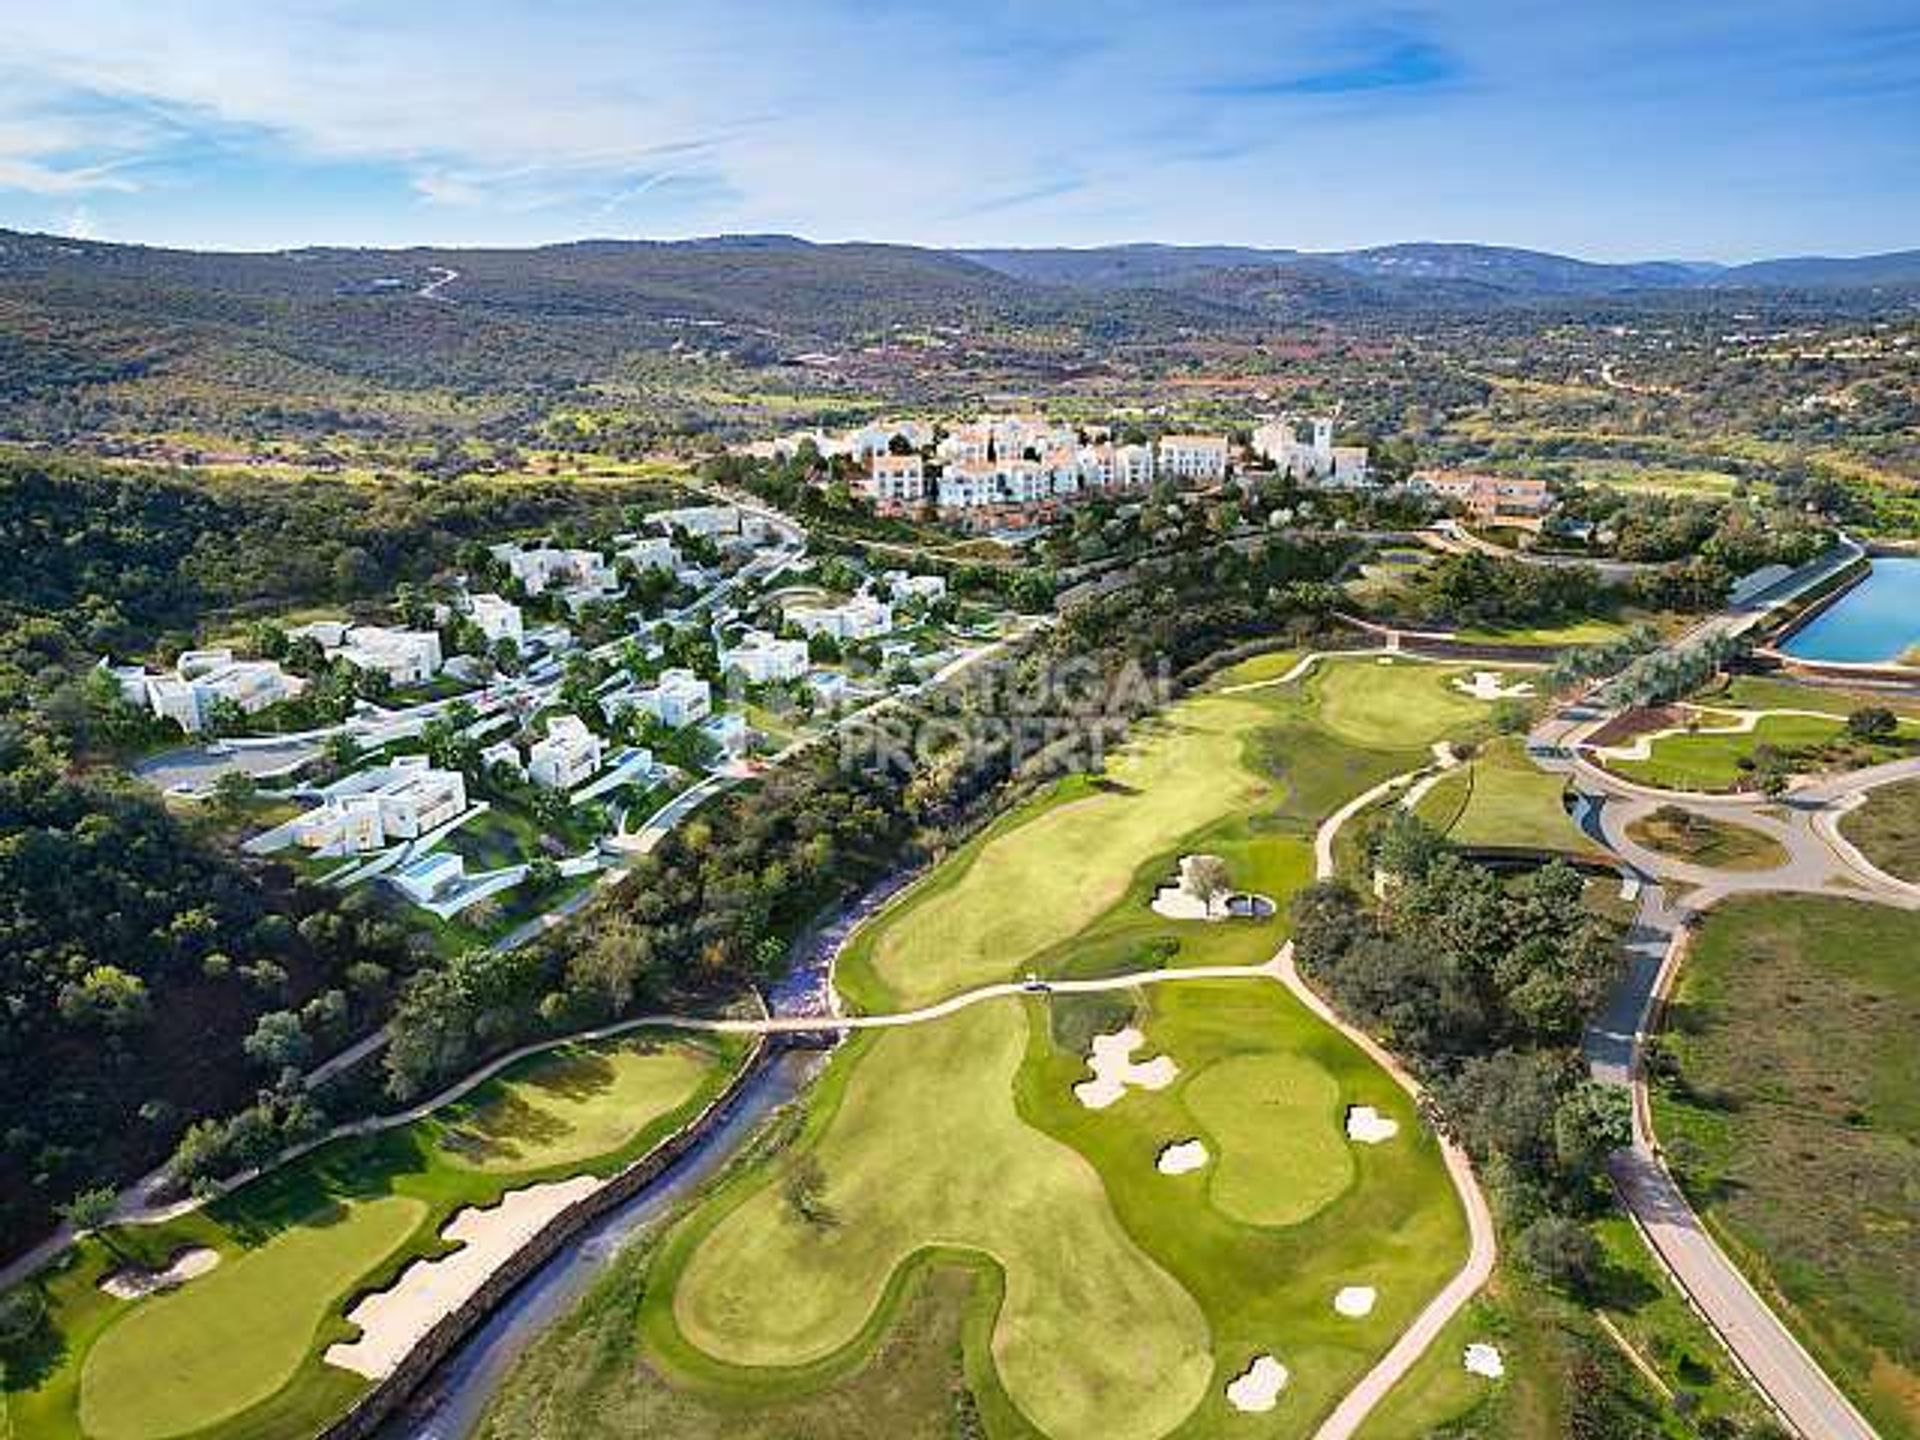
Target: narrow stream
[
  {"x": 451, "y": 1401},
  {"x": 453, "y": 1398}
]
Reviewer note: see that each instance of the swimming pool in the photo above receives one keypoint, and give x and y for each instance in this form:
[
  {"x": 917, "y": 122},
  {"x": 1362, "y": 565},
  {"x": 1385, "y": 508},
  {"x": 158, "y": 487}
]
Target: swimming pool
[{"x": 1873, "y": 623}]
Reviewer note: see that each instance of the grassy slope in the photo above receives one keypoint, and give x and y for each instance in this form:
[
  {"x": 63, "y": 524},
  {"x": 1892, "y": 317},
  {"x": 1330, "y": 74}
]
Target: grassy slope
[
  {"x": 1794, "y": 1029},
  {"x": 1503, "y": 799},
  {"x": 1887, "y": 829},
  {"x": 299, "y": 1244}
]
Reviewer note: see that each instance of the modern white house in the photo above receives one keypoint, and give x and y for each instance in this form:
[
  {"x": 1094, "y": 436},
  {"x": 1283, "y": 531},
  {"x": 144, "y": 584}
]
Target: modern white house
[
  {"x": 202, "y": 678},
  {"x": 1193, "y": 459},
  {"x": 649, "y": 552},
  {"x": 568, "y": 756},
  {"x": 762, "y": 660},
  {"x": 904, "y": 586},
  {"x": 710, "y": 520},
  {"x": 579, "y": 575},
  {"x": 406, "y": 657},
  {"x": 1317, "y": 460},
  {"x": 861, "y": 618},
  {"x": 503, "y": 752},
  {"x": 677, "y": 698},
  {"x": 401, "y": 800},
  {"x": 498, "y": 618},
  {"x": 729, "y": 731}
]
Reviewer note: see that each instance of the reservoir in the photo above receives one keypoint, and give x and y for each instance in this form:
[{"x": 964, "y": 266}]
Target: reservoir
[{"x": 1872, "y": 624}]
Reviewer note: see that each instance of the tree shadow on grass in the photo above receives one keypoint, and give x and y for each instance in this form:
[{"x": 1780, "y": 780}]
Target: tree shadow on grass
[
  {"x": 27, "y": 1363},
  {"x": 317, "y": 1189}
]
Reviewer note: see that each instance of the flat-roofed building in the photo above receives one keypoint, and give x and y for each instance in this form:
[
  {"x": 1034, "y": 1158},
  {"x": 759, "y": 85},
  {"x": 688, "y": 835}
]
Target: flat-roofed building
[
  {"x": 568, "y": 755},
  {"x": 406, "y": 657},
  {"x": 1195, "y": 459},
  {"x": 761, "y": 659},
  {"x": 894, "y": 481},
  {"x": 498, "y": 618},
  {"x": 401, "y": 800}
]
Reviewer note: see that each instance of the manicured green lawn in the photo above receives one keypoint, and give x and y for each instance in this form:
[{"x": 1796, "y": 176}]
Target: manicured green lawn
[
  {"x": 1397, "y": 705},
  {"x": 1274, "y": 1125},
  {"x": 964, "y": 1133},
  {"x": 1716, "y": 844},
  {"x": 1501, "y": 799},
  {"x": 1592, "y": 631},
  {"x": 1795, "y": 1126},
  {"x": 233, "y": 1337},
  {"x": 1887, "y": 829},
  {"x": 236, "y": 1352},
  {"x": 1711, "y": 762},
  {"x": 1764, "y": 692}
]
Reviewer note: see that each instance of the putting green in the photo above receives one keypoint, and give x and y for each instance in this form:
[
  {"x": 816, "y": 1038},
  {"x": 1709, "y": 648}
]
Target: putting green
[
  {"x": 572, "y": 1106},
  {"x": 1392, "y": 706},
  {"x": 232, "y": 1338},
  {"x": 925, "y": 1148},
  {"x": 1042, "y": 880},
  {"x": 1274, "y": 1123}
]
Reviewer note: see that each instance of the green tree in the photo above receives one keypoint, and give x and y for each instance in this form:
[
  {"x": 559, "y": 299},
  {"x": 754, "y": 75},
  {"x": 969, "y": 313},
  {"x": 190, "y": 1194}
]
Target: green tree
[
  {"x": 108, "y": 997},
  {"x": 1873, "y": 722},
  {"x": 90, "y": 1212}
]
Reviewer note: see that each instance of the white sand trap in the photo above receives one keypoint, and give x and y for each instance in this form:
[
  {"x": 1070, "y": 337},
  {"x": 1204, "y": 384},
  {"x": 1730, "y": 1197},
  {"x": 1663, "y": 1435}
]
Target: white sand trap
[
  {"x": 1354, "y": 1301},
  {"x": 393, "y": 1321},
  {"x": 1114, "y": 1069},
  {"x": 1487, "y": 685},
  {"x": 1182, "y": 1157},
  {"x": 1482, "y": 1359},
  {"x": 1257, "y": 1388},
  {"x": 1368, "y": 1126},
  {"x": 132, "y": 1282}
]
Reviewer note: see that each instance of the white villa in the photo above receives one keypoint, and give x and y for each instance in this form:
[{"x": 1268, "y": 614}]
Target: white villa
[
  {"x": 903, "y": 586},
  {"x": 651, "y": 552},
  {"x": 568, "y": 755},
  {"x": 406, "y": 657},
  {"x": 678, "y": 698},
  {"x": 1198, "y": 459},
  {"x": 399, "y": 801},
  {"x": 861, "y": 618},
  {"x": 579, "y": 575},
  {"x": 200, "y": 679},
  {"x": 1318, "y": 460},
  {"x": 712, "y": 520},
  {"x": 762, "y": 659},
  {"x": 498, "y": 618}
]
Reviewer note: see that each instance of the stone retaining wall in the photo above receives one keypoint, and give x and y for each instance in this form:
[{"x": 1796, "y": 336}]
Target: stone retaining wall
[{"x": 386, "y": 1396}]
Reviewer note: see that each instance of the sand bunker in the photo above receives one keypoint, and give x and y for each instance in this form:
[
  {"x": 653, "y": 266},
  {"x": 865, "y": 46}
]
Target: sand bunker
[
  {"x": 1182, "y": 1157},
  {"x": 1487, "y": 685},
  {"x": 393, "y": 1321},
  {"x": 1483, "y": 1359},
  {"x": 1258, "y": 1387},
  {"x": 1353, "y": 1301},
  {"x": 132, "y": 1282},
  {"x": 1114, "y": 1069},
  {"x": 1368, "y": 1126}
]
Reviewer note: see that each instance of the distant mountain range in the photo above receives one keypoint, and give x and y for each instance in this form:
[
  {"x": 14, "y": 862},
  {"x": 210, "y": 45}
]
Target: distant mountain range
[
  {"x": 75, "y": 312},
  {"x": 1495, "y": 269}
]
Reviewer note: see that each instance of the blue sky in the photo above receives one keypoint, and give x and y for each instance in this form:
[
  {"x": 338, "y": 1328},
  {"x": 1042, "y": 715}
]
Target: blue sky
[{"x": 1684, "y": 128}]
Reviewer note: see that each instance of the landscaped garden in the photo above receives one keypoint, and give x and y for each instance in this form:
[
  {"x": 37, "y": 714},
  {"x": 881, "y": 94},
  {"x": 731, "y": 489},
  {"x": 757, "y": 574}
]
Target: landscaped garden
[
  {"x": 1705, "y": 841},
  {"x": 238, "y": 1350},
  {"x": 1789, "y": 1077}
]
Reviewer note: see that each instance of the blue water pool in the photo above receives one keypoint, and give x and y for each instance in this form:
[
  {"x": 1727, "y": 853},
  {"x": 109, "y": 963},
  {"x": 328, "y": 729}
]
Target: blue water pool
[{"x": 1873, "y": 622}]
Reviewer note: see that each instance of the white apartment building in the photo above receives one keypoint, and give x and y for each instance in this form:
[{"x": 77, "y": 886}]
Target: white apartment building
[
  {"x": 1193, "y": 459},
  {"x": 498, "y": 618},
  {"x": 568, "y": 755},
  {"x": 1317, "y": 459},
  {"x": 406, "y": 657},
  {"x": 895, "y": 480},
  {"x": 763, "y": 660},
  {"x": 652, "y": 552},
  {"x": 399, "y": 801},
  {"x": 861, "y": 618},
  {"x": 877, "y": 439}
]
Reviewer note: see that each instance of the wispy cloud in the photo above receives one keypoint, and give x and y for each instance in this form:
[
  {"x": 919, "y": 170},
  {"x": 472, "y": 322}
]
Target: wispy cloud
[{"x": 1401, "y": 63}]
